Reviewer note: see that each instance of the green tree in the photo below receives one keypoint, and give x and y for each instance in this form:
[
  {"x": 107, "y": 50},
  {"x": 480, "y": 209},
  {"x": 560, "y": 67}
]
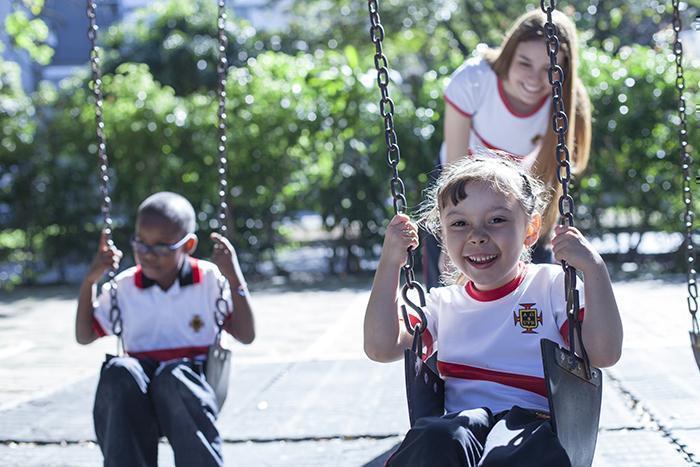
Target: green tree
[
  {"x": 17, "y": 120},
  {"x": 177, "y": 39},
  {"x": 633, "y": 181},
  {"x": 27, "y": 31}
]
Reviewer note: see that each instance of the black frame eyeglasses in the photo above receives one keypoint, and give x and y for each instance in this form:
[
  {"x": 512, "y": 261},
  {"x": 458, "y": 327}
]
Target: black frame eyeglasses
[{"x": 159, "y": 249}]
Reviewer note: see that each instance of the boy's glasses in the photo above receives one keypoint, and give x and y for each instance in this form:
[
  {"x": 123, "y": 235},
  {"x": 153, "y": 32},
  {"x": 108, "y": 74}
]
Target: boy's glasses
[{"x": 159, "y": 249}]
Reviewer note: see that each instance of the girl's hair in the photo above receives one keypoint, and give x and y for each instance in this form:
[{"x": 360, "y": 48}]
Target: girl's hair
[
  {"x": 496, "y": 169},
  {"x": 530, "y": 27}
]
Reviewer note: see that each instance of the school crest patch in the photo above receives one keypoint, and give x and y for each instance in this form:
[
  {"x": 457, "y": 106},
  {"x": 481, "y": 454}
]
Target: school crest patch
[
  {"x": 528, "y": 318},
  {"x": 196, "y": 323}
]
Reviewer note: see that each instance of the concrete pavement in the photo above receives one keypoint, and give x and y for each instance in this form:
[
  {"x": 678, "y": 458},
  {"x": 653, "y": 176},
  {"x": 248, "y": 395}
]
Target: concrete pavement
[{"x": 304, "y": 394}]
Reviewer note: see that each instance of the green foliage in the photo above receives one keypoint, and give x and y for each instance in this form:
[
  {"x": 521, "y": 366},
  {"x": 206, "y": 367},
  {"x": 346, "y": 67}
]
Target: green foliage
[
  {"x": 17, "y": 120},
  {"x": 28, "y": 32},
  {"x": 305, "y": 132},
  {"x": 635, "y": 163},
  {"x": 177, "y": 39}
]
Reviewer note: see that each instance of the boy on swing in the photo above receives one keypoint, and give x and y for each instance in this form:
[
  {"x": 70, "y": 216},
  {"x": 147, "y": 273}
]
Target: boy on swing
[
  {"x": 167, "y": 304},
  {"x": 487, "y": 212}
]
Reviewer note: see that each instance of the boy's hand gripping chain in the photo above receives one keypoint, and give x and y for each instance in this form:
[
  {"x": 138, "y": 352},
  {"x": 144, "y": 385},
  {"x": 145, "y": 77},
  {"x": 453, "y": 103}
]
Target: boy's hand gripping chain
[
  {"x": 560, "y": 124},
  {"x": 686, "y": 164},
  {"x": 393, "y": 155},
  {"x": 115, "y": 314}
]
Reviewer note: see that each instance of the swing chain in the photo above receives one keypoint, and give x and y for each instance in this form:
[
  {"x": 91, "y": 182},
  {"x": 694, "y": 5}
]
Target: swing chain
[
  {"x": 222, "y": 306},
  {"x": 221, "y": 69},
  {"x": 115, "y": 314},
  {"x": 393, "y": 157},
  {"x": 560, "y": 125},
  {"x": 686, "y": 162}
]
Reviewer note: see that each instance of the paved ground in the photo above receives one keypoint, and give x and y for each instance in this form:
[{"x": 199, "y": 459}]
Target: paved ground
[{"x": 305, "y": 395}]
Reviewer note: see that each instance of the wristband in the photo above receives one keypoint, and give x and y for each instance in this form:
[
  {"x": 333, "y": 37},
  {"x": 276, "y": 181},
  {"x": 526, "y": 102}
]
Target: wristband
[{"x": 242, "y": 290}]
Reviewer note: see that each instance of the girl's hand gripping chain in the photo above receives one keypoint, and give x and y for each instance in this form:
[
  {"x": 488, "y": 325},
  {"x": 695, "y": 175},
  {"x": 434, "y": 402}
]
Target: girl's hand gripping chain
[
  {"x": 570, "y": 245},
  {"x": 384, "y": 337},
  {"x": 401, "y": 234},
  {"x": 601, "y": 328}
]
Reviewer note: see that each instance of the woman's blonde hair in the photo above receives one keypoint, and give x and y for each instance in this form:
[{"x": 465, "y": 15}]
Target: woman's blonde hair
[
  {"x": 530, "y": 27},
  {"x": 499, "y": 171}
]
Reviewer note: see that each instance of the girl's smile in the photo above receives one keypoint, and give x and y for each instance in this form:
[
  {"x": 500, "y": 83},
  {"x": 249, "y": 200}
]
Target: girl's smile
[
  {"x": 527, "y": 83},
  {"x": 485, "y": 234}
]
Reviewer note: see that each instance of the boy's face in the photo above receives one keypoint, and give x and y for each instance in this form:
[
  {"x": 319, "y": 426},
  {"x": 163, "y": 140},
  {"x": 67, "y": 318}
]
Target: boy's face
[
  {"x": 485, "y": 235},
  {"x": 161, "y": 266}
]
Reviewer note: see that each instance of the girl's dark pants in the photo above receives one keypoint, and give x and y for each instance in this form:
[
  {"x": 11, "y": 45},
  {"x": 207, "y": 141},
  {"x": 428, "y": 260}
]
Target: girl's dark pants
[{"x": 514, "y": 438}]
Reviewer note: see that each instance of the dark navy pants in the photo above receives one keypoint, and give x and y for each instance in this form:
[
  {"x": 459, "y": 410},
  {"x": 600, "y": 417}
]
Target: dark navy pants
[
  {"x": 138, "y": 401},
  {"x": 514, "y": 438}
]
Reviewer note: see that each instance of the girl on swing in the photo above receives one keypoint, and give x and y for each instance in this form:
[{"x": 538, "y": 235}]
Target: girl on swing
[
  {"x": 501, "y": 101},
  {"x": 487, "y": 212}
]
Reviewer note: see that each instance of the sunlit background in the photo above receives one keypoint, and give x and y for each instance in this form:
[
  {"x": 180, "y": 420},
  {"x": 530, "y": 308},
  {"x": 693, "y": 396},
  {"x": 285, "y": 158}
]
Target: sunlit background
[{"x": 309, "y": 185}]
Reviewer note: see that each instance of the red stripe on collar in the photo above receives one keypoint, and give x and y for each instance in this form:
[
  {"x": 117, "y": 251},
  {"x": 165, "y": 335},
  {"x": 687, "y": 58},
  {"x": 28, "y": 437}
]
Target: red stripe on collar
[
  {"x": 196, "y": 272},
  {"x": 511, "y": 109},
  {"x": 190, "y": 273},
  {"x": 500, "y": 292},
  {"x": 139, "y": 278}
]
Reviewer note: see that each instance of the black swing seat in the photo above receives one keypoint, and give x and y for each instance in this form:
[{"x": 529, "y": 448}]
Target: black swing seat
[
  {"x": 695, "y": 343},
  {"x": 574, "y": 401},
  {"x": 218, "y": 369},
  {"x": 425, "y": 390}
]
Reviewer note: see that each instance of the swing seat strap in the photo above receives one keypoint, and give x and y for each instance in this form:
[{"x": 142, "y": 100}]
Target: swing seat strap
[
  {"x": 218, "y": 369},
  {"x": 695, "y": 343},
  {"x": 574, "y": 401},
  {"x": 425, "y": 390}
]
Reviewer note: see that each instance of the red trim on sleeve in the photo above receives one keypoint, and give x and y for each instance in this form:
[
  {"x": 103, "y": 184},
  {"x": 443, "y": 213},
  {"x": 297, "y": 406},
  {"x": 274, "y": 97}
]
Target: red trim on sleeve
[
  {"x": 427, "y": 337},
  {"x": 138, "y": 277},
  {"x": 506, "y": 102},
  {"x": 196, "y": 272},
  {"x": 525, "y": 382},
  {"x": 500, "y": 292},
  {"x": 456, "y": 107},
  {"x": 564, "y": 329},
  {"x": 163, "y": 355},
  {"x": 97, "y": 327}
]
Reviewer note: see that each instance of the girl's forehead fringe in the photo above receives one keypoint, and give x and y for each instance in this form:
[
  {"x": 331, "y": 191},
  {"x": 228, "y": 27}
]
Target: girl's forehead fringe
[{"x": 453, "y": 189}]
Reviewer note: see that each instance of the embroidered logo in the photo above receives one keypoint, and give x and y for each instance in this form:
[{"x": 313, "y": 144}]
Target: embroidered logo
[
  {"x": 196, "y": 323},
  {"x": 528, "y": 318}
]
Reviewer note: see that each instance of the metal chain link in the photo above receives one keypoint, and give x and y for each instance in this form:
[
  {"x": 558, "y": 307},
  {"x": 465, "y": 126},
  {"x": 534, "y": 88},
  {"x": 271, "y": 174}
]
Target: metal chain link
[
  {"x": 686, "y": 163},
  {"x": 393, "y": 157},
  {"x": 560, "y": 125},
  {"x": 222, "y": 306},
  {"x": 115, "y": 314}
]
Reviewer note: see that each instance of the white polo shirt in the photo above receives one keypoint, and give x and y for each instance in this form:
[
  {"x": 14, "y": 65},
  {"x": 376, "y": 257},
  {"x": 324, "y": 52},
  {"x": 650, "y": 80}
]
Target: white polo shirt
[
  {"x": 165, "y": 324},
  {"x": 476, "y": 92},
  {"x": 489, "y": 341}
]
